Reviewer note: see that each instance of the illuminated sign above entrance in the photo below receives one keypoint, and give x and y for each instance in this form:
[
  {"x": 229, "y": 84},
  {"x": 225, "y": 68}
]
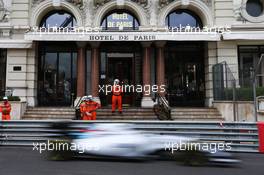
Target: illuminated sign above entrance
[{"x": 120, "y": 21}]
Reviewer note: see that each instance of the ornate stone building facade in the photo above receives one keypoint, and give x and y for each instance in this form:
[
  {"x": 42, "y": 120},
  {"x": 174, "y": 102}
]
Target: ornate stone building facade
[{"x": 133, "y": 34}]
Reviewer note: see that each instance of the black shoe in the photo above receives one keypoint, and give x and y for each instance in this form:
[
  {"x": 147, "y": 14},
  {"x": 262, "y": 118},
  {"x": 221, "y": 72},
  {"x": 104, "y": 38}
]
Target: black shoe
[
  {"x": 120, "y": 112},
  {"x": 113, "y": 112}
]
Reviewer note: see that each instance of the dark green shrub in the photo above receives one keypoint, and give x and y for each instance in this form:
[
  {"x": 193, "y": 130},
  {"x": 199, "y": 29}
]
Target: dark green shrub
[
  {"x": 11, "y": 98},
  {"x": 242, "y": 94}
]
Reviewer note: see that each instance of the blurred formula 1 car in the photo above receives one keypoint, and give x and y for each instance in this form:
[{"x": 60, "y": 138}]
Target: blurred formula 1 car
[{"x": 109, "y": 140}]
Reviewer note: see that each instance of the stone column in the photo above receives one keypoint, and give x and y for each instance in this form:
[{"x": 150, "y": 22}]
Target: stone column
[
  {"x": 95, "y": 70},
  {"x": 210, "y": 59},
  {"x": 160, "y": 72},
  {"x": 146, "y": 100},
  {"x": 81, "y": 69}
]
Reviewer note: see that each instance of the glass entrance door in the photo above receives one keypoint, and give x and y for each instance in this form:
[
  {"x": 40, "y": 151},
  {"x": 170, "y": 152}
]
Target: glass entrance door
[
  {"x": 2, "y": 72},
  {"x": 121, "y": 60},
  {"x": 185, "y": 75},
  {"x": 57, "y": 78},
  {"x": 120, "y": 68}
]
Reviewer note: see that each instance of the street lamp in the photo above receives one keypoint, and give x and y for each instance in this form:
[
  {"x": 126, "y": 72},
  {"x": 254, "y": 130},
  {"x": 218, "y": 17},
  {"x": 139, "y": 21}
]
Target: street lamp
[{"x": 255, "y": 75}]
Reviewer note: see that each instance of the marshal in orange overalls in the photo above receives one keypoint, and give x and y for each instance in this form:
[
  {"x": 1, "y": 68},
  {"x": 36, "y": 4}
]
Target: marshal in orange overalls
[
  {"x": 117, "y": 98},
  {"x": 88, "y": 110},
  {"x": 5, "y": 109}
]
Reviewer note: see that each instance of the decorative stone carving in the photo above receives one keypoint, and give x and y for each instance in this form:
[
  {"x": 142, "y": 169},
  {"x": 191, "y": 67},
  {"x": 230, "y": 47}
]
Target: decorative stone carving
[
  {"x": 237, "y": 6},
  {"x": 35, "y": 2},
  {"x": 120, "y": 3},
  {"x": 208, "y": 2},
  {"x": 2, "y": 10},
  {"x": 100, "y": 2},
  {"x": 78, "y": 3},
  {"x": 4, "y": 13},
  {"x": 163, "y": 3},
  {"x": 141, "y": 2}
]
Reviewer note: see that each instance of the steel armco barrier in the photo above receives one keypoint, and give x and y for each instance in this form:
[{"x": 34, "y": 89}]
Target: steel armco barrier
[{"x": 242, "y": 136}]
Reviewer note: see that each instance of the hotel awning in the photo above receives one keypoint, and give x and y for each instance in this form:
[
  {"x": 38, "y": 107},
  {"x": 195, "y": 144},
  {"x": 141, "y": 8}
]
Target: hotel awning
[
  {"x": 123, "y": 36},
  {"x": 15, "y": 44},
  {"x": 245, "y": 35}
]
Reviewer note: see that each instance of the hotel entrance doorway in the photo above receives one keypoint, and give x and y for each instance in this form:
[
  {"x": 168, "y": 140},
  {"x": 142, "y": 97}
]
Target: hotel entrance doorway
[
  {"x": 120, "y": 61},
  {"x": 122, "y": 69},
  {"x": 57, "y": 74},
  {"x": 185, "y": 73}
]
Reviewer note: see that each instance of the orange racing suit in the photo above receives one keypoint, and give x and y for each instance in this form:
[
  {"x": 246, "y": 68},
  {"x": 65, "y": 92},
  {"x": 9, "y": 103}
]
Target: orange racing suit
[
  {"x": 88, "y": 109},
  {"x": 117, "y": 98},
  {"x": 5, "y": 109}
]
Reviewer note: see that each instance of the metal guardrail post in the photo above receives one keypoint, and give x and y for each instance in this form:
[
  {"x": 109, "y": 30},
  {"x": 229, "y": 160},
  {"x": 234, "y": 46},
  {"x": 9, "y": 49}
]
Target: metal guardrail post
[
  {"x": 255, "y": 86},
  {"x": 234, "y": 100},
  {"x": 226, "y": 79}
]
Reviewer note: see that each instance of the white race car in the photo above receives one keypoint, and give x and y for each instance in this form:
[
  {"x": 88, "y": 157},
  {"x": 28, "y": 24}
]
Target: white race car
[{"x": 113, "y": 140}]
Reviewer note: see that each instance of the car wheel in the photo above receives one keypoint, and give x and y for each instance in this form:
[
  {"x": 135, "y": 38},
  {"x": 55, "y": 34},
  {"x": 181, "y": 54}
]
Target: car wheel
[
  {"x": 194, "y": 158},
  {"x": 164, "y": 155},
  {"x": 60, "y": 153}
]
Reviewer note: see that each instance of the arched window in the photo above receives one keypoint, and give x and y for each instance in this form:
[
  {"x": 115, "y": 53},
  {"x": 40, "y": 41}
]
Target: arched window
[
  {"x": 120, "y": 20},
  {"x": 182, "y": 18},
  {"x": 59, "y": 18}
]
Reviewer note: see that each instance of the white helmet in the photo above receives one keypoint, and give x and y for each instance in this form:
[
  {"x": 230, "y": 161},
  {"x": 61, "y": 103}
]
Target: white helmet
[
  {"x": 116, "y": 81},
  {"x": 89, "y": 97},
  {"x": 5, "y": 98}
]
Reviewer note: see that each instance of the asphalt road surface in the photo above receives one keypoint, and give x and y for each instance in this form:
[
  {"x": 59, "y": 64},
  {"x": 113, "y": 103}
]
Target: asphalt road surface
[{"x": 24, "y": 161}]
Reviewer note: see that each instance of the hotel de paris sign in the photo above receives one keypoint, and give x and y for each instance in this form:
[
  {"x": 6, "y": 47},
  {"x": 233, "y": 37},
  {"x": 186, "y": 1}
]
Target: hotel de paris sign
[{"x": 121, "y": 36}]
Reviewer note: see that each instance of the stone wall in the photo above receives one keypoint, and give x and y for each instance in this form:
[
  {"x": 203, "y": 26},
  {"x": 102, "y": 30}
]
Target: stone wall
[
  {"x": 244, "y": 111},
  {"x": 224, "y": 12},
  {"x": 23, "y": 83},
  {"x": 20, "y": 13}
]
